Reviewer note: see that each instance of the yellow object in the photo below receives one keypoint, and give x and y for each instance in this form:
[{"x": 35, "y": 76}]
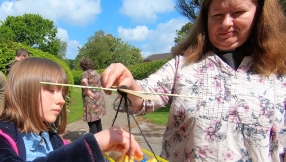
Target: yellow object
[
  {"x": 152, "y": 160},
  {"x": 108, "y": 158},
  {"x": 125, "y": 158},
  {"x": 121, "y": 158},
  {"x": 150, "y": 154}
]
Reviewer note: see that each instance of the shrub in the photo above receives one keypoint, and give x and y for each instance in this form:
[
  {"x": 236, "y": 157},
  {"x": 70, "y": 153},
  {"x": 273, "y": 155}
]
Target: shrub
[
  {"x": 143, "y": 70},
  {"x": 8, "y": 50},
  {"x": 77, "y": 76}
]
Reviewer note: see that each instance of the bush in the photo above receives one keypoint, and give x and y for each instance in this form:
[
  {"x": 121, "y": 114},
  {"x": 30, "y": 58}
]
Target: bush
[
  {"x": 77, "y": 76},
  {"x": 141, "y": 71},
  {"x": 8, "y": 52}
]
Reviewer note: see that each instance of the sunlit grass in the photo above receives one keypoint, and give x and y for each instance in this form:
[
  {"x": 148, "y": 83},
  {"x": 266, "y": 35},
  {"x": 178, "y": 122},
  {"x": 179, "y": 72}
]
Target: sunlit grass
[
  {"x": 159, "y": 117},
  {"x": 75, "y": 110}
]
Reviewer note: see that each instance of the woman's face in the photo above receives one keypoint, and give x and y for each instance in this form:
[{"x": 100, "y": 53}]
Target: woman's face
[{"x": 230, "y": 23}]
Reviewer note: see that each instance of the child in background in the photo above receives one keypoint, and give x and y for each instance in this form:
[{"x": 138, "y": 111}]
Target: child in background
[{"x": 33, "y": 115}]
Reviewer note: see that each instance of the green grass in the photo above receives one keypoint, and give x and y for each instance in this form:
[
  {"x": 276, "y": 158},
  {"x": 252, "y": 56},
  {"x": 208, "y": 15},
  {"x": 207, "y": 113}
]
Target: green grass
[
  {"x": 76, "y": 106},
  {"x": 159, "y": 117}
]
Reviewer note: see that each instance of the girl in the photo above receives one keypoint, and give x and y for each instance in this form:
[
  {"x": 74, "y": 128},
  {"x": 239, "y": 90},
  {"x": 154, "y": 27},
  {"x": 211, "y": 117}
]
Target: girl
[{"x": 33, "y": 114}]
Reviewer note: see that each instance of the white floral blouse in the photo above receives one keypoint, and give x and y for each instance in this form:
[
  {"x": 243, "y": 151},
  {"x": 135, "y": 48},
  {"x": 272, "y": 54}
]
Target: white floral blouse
[{"x": 239, "y": 117}]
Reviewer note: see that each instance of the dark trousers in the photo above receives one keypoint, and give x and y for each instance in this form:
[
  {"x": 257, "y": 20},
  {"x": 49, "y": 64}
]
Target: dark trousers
[{"x": 95, "y": 126}]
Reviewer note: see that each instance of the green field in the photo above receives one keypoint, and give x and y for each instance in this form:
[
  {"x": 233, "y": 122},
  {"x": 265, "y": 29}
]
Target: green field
[
  {"x": 75, "y": 109},
  {"x": 159, "y": 117}
]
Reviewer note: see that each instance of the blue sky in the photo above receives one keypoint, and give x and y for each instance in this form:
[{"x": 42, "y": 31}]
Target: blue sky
[{"x": 149, "y": 25}]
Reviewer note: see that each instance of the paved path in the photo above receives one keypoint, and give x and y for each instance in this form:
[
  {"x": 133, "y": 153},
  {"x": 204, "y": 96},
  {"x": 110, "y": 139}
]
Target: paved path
[{"x": 153, "y": 133}]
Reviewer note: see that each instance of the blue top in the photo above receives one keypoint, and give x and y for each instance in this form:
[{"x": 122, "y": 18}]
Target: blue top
[
  {"x": 84, "y": 148},
  {"x": 37, "y": 145}
]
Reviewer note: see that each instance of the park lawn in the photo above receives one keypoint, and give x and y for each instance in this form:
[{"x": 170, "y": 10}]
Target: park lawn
[
  {"x": 75, "y": 109},
  {"x": 159, "y": 117}
]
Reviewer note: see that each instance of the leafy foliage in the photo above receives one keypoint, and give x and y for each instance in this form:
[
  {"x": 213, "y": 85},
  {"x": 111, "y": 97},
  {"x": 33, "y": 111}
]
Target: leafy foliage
[
  {"x": 283, "y": 5},
  {"x": 182, "y": 34},
  {"x": 188, "y": 8},
  {"x": 105, "y": 49},
  {"x": 143, "y": 70},
  {"x": 139, "y": 71},
  {"x": 8, "y": 50},
  {"x": 34, "y": 31}
]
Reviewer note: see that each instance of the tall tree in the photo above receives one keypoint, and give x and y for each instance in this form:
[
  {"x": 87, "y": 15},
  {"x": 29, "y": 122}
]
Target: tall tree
[
  {"x": 62, "y": 50},
  {"x": 188, "y": 8},
  {"x": 31, "y": 30},
  {"x": 283, "y": 5},
  {"x": 105, "y": 49},
  {"x": 183, "y": 32}
]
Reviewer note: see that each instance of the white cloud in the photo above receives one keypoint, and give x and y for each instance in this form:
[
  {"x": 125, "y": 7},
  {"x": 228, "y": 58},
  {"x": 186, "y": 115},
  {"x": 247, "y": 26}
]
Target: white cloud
[
  {"x": 72, "y": 49},
  {"x": 74, "y": 12},
  {"x": 146, "y": 10},
  {"x": 72, "y": 45},
  {"x": 62, "y": 34},
  {"x": 161, "y": 39},
  {"x": 138, "y": 34}
]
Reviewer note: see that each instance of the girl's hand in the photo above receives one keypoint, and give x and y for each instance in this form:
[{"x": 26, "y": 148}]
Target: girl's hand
[{"x": 116, "y": 139}]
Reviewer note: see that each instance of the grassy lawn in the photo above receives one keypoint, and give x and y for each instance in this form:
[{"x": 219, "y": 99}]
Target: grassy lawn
[
  {"x": 158, "y": 117},
  {"x": 76, "y": 107}
]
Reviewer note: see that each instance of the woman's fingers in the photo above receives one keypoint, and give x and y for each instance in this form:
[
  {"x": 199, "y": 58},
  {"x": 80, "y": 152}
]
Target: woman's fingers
[{"x": 115, "y": 75}]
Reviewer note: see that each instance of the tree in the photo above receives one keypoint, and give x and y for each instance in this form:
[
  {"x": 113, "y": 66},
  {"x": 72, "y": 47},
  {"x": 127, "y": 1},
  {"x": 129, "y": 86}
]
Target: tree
[
  {"x": 62, "y": 50},
  {"x": 181, "y": 34},
  {"x": 188, "y": 8},
  {"x": 105, "y": 49},
  {"x": 283, "y": 5},
  {"x": 31, "y": 30}
]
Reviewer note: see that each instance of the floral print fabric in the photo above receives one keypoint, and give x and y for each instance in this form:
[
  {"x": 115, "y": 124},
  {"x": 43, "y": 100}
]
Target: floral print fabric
[
  {"x": 94, "y": 108},
  {"x": 239, "y": 117}
]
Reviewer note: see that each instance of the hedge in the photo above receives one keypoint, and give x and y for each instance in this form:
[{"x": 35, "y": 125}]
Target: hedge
[
  {"x": 8, "y": 52},
  {"x": 139, "y": 71}
]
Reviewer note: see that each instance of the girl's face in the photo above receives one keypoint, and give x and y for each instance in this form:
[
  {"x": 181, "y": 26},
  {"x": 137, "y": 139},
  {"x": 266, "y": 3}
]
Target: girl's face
[
  {"x": 52, "y": 104},
  {"x": 230, "y": 23}
]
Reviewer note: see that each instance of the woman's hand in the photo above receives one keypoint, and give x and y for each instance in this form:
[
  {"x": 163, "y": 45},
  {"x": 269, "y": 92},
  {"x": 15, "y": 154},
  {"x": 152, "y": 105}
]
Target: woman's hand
[
  {"x": 90, "y": 94},
  {"x": 116, "y": 74},
  {"x": 116, "y": 139}
]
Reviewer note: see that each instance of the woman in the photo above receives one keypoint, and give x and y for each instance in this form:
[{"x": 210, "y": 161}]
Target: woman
[
  {"x": 34, "y": 114},
  {"x": 234, "y": 58},
  {"x": 93, "y": 100}
]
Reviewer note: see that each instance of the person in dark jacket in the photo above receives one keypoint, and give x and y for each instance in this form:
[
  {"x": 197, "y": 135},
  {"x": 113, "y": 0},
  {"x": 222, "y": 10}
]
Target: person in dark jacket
[
  {"x": 34, "y": 115},
  {"x": 21, "y": 53}
]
